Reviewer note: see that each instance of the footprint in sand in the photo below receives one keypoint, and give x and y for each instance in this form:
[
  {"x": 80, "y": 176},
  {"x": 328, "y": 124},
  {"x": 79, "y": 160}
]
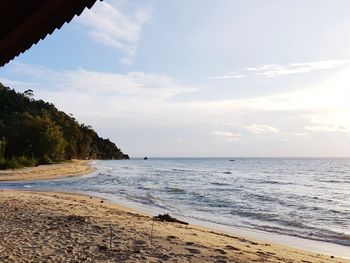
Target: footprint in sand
[
  {"x": 232, "y": 248},
  {"x": 221, "y": 251},
  {"x": 193, "y": 250}
]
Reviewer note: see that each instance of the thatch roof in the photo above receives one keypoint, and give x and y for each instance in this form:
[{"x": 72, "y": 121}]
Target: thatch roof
[{"x": 24, "y": 23}]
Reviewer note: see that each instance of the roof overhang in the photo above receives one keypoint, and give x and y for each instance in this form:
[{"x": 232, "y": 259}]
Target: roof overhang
[{"x": 24, "y": 23}]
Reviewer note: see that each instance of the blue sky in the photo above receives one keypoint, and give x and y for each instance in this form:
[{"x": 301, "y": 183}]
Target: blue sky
[{"x": 201, "y": 78}]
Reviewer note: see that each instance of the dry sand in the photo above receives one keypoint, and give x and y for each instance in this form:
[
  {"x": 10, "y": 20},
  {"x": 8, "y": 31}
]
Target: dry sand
[
  {"x": 56, "y": 227},
  {"x": 52, "y": 171}
]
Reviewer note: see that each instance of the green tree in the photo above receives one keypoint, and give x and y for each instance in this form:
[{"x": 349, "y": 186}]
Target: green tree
[
  {"x": 47, "y": 140},
  {"x": 35, "y": 130},
  {"x": 2, "y": 149}
]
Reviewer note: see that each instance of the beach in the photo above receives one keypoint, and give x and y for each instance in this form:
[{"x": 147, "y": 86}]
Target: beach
[
  {"x": 38, "y": 226},
  {"x": 46, "y": 172},
  {"x": 174, "y": 131},
  {"x": 60, "y": 227}
]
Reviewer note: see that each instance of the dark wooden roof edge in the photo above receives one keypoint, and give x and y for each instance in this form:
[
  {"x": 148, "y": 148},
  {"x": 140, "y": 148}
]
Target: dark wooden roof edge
[{"x": 42, "y": 21}]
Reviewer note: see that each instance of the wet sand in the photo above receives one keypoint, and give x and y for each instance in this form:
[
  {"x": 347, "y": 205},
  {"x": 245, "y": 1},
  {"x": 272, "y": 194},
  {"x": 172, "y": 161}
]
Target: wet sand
[
  {"x": 44, "y": 172},
  {"x": 58, "y": 227}
]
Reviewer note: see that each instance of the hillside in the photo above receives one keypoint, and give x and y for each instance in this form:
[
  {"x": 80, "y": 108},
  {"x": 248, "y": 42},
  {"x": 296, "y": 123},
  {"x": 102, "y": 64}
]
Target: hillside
[{"x": 34, "y": 132}]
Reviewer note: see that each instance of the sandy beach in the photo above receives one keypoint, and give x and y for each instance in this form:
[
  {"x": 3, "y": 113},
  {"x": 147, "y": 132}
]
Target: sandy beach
[
  {"x": 44, "y": 172},
  {"x": 59, "y": 227}
]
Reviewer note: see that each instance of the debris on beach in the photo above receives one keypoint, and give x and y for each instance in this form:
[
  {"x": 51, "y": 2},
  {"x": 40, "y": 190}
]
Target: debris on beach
[{"x": 168, "y": 218}]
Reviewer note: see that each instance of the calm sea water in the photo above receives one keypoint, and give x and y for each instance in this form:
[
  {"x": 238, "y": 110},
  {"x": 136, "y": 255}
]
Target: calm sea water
[{"x": 307, "y": 198}]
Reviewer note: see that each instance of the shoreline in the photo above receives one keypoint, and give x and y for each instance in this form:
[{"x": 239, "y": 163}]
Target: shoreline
[
  {"x": 310, "y": 245},
  {"x": 47, "y": 172},
  {"x": 66, "y": 226},
  {"x": 258, "y": 248}
]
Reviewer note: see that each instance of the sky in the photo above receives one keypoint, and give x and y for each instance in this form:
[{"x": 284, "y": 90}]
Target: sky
[{"x": 196, "y": 78}]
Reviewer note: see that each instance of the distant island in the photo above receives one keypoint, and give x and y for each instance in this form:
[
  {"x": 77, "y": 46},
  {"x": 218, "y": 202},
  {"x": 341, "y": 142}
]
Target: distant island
[{"x": 34, "y": 132}]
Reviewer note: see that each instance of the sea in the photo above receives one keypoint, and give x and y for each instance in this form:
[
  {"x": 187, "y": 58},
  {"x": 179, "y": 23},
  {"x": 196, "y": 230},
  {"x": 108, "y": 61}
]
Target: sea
[{"x": 302, "y": 198}]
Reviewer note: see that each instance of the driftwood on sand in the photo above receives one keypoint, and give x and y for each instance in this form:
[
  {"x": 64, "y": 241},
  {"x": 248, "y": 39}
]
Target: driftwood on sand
[{"x": 168, "y": 218}]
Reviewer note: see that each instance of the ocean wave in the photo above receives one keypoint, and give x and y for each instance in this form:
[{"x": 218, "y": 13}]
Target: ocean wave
[
  {"x": 255, "y": 215},
  {"x": 220, "y": 183},
  {"x": 296, "y": 229},
  {"x": 175, "y": 190},
  {"x": 187, "y": 170},
  {"x": 150, "y": 200},
  {"x": 334, "y": 181},
  {"x": 313, "y": 233},
  {"x": 263, "y": 181}
]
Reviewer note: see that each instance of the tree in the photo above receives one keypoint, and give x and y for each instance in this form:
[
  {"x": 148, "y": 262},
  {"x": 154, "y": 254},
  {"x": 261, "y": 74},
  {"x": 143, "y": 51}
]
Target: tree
[
  {"x": 34, "y": 130},
  {"x": 47, "y": 139},
  {"x": 29, "y": 93},
  {"x": 2, "y": 149}
]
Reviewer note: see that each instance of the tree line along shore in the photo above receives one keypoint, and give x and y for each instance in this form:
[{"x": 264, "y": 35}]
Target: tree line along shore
[{"x": 34, "y": 132}]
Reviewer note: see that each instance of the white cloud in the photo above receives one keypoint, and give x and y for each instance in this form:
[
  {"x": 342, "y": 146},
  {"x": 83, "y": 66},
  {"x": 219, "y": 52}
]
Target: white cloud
[
  {"x": 290, "y": 136},
  {"x": 261, "y": 129},
  {"x": 320, "y": 107},
  {"x": 150, "y": 86},
  {"x": 228, "y": 135},
  {"x": 329, "y": 122},
  {"x": 109, "y": 25},
  {"x": 251, "y": 69},
  {"x": 18, "y": 84},
  {"x": 139, "y": 101},
  {"x": 275, "y": 70},
  {"x": 234, "y": 76}
]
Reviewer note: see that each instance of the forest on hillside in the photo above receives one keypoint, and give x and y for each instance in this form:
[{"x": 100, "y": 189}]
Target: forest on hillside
[{"x": 35, "y": 132}]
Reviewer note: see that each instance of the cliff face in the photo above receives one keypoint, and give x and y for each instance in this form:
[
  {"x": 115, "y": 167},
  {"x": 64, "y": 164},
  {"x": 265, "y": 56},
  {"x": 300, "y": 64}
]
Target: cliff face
[{"x": 37, "y": 130}]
